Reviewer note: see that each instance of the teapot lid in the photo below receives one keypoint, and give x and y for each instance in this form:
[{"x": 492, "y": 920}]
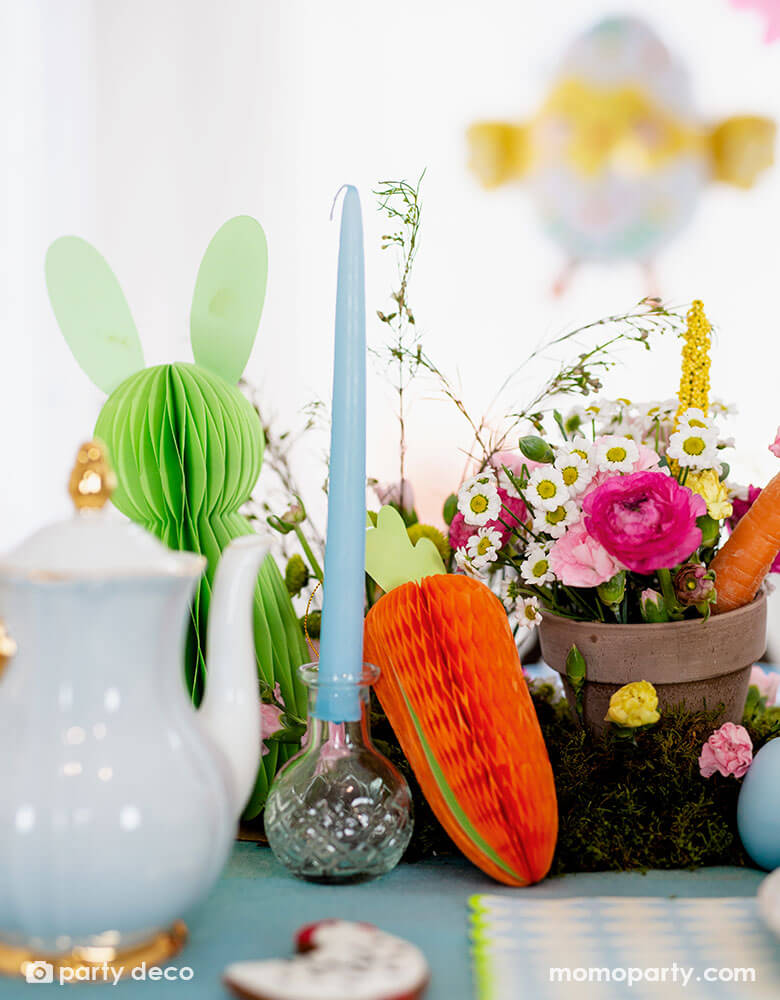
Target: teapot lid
[{"x": 92, "y": 544}]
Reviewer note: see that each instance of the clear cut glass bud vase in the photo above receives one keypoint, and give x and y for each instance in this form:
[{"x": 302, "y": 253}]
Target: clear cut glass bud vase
[{"x": 339, "y": 811}]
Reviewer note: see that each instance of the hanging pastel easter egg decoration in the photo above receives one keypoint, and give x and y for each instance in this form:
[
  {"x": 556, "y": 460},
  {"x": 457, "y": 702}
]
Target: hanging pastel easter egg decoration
[
  {"x": 186, "y": 445},
  {"x": 616, "y": 159},
  {"x": 769, "y": 10},
  {"x": 758, "y": 809}
]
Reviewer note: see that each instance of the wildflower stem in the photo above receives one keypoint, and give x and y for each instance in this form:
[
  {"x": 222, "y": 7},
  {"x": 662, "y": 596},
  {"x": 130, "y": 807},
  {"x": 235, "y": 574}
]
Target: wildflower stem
[{"x": 315, "y": 566}]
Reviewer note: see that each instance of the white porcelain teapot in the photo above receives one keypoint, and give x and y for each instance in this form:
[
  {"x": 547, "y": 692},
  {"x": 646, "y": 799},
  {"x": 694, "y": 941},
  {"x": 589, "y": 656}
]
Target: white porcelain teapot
[{"x": 118, "y": 800}]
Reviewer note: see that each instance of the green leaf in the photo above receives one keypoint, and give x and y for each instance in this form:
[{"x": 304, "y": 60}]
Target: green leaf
[
  {"x": 392, "y": 559},
  {"x": 559, "y": 421},
  {"x": 229, "y": 296},
  {"x": 450, "y": 508},
  {"x": 576, "y": 672},
  {"x": 92, "y": 312}
]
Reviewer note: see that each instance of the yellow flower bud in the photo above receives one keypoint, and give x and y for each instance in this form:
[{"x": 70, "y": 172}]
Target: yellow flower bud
[{"x": 634, "y": 705}]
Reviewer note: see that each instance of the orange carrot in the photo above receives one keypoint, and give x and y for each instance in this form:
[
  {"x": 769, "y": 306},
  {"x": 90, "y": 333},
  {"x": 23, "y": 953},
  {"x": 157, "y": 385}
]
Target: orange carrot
[
  {"x": 746, "y": 558},
  {"x": 453, "y": 690}
]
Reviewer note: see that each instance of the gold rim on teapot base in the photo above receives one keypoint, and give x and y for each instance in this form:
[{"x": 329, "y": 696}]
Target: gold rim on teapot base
[{"x": 94, "y": 964}]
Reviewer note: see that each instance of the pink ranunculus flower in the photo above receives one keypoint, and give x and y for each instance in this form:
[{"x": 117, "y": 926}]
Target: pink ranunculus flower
[
  {"x": 767, "y": 683},
  {"x": 269, "y": 717},
  {"x": 741, "y": 507},
  {"x": 729, "y": 751},
  {"x": 646, "y": 520},
  {"x": 774, "y": 447},
  {"x": 578, "y": 560}
]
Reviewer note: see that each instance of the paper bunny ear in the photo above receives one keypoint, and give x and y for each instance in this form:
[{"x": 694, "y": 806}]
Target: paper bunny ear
[
  {"x": 92, "y": 312},
  {"x": 229, "y": 296}
]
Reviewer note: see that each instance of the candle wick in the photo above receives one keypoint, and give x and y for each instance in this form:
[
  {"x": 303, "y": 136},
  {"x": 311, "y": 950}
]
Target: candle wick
[{"x": 343, "y": 187}]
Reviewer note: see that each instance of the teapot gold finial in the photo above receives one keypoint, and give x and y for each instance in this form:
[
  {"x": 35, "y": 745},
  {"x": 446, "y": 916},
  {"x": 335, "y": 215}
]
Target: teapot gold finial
[
  {"x": 92, "y": 480},
  {"x": 7, "y": 648}
]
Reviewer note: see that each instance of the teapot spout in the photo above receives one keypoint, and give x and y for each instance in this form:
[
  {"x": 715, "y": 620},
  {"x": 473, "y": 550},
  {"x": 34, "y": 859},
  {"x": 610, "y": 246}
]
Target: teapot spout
[{"x": 231, "y": 706}]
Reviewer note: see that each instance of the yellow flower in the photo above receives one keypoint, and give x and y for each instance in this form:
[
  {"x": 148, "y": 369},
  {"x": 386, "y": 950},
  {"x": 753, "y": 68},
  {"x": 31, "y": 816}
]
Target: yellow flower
[
  {"x": 695, "y": 376},
  {"x": 714, "y": 493},
  {"x": 634, "y": 705}
]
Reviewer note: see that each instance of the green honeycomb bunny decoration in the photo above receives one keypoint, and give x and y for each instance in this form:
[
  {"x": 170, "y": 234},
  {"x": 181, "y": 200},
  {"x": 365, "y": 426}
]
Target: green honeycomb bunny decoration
[{"x": 186, "y": 445}]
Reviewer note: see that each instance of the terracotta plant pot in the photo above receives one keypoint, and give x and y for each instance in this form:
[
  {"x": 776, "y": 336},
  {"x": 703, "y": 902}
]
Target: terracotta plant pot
[{"x": 696, "y": 663}]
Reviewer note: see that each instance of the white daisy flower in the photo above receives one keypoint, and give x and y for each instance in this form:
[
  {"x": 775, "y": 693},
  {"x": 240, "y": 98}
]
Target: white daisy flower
[
  {"x": 464, "y": 564},
  {"x": 578, "y": 447},
  {"x": 527, "y": 612},
  {"x": 483, "y": 548},
  {"x": 737, "y": 491},
  {"x": 535, "y": 567},
  {"x": 555, "y": 522},
  {"x": 576, "y": 470},
  {"x": 694, "y": 447},
  {"x": 696, "y": 418},
  {"x": 478, "y": 499},
  {"x": 616, "y": 454},
  {"x": 546, "y": 488},
  {"x": 720, "y": 409}
]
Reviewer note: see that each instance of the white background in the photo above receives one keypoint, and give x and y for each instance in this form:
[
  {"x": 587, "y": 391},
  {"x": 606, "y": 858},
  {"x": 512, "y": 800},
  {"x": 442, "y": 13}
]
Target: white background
[{"x": 143, "y": 124}]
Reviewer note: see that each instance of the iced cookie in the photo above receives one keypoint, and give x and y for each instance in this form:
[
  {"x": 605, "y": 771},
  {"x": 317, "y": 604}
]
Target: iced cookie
[{"x": 337, "y": 960}]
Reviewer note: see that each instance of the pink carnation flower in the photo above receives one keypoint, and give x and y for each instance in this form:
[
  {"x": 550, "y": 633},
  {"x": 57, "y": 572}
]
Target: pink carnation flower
[
  {"x": 648, "y": 459},
  {"x": 460, "y": 532},
  {"x": 741, "y": 507},
  {"x": 774, "y": 447},
  {"x": 729, "y": 751},
  {"x": 767, "y": 683},
  {"x": 269, "y": 717},
  {"x": 646, "y": 520},
  {"x": 578, "y": 560}
]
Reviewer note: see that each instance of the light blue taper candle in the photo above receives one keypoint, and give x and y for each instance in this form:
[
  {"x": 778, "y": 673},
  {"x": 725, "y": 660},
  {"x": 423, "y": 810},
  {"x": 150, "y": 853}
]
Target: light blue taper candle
[{"x": 341, "y": 637}]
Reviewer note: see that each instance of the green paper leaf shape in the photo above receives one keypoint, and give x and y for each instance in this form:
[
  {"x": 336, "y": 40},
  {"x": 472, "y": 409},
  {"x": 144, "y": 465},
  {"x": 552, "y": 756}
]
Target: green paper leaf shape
[
  {"x": 92, "y": 312},
  {"x": 392, "y": 559},
  {"x": 229, "y": 296}
]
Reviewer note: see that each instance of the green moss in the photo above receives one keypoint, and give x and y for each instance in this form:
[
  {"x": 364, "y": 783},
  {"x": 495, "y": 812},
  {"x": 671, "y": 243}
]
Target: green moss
[{"x": 621, "y": 805}]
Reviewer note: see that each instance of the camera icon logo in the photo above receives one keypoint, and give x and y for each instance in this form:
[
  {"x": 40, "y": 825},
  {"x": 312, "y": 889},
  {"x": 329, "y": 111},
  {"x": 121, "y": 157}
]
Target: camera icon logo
[{"x": 39, "y": 972}]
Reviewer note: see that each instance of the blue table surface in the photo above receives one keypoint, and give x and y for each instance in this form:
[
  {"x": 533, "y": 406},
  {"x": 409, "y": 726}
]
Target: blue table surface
[{"x": 256, "y": 907}]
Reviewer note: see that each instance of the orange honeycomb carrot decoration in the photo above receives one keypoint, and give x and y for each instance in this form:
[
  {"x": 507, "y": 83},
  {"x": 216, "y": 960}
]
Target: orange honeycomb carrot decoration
[{"x": 453, "y": 689}]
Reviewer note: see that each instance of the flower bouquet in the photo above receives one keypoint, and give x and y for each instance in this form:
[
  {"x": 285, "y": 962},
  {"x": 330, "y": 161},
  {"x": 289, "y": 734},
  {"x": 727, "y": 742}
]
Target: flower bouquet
[
  {"x": 609, "y": 538},
  {"x": 610, "y": 530}
]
